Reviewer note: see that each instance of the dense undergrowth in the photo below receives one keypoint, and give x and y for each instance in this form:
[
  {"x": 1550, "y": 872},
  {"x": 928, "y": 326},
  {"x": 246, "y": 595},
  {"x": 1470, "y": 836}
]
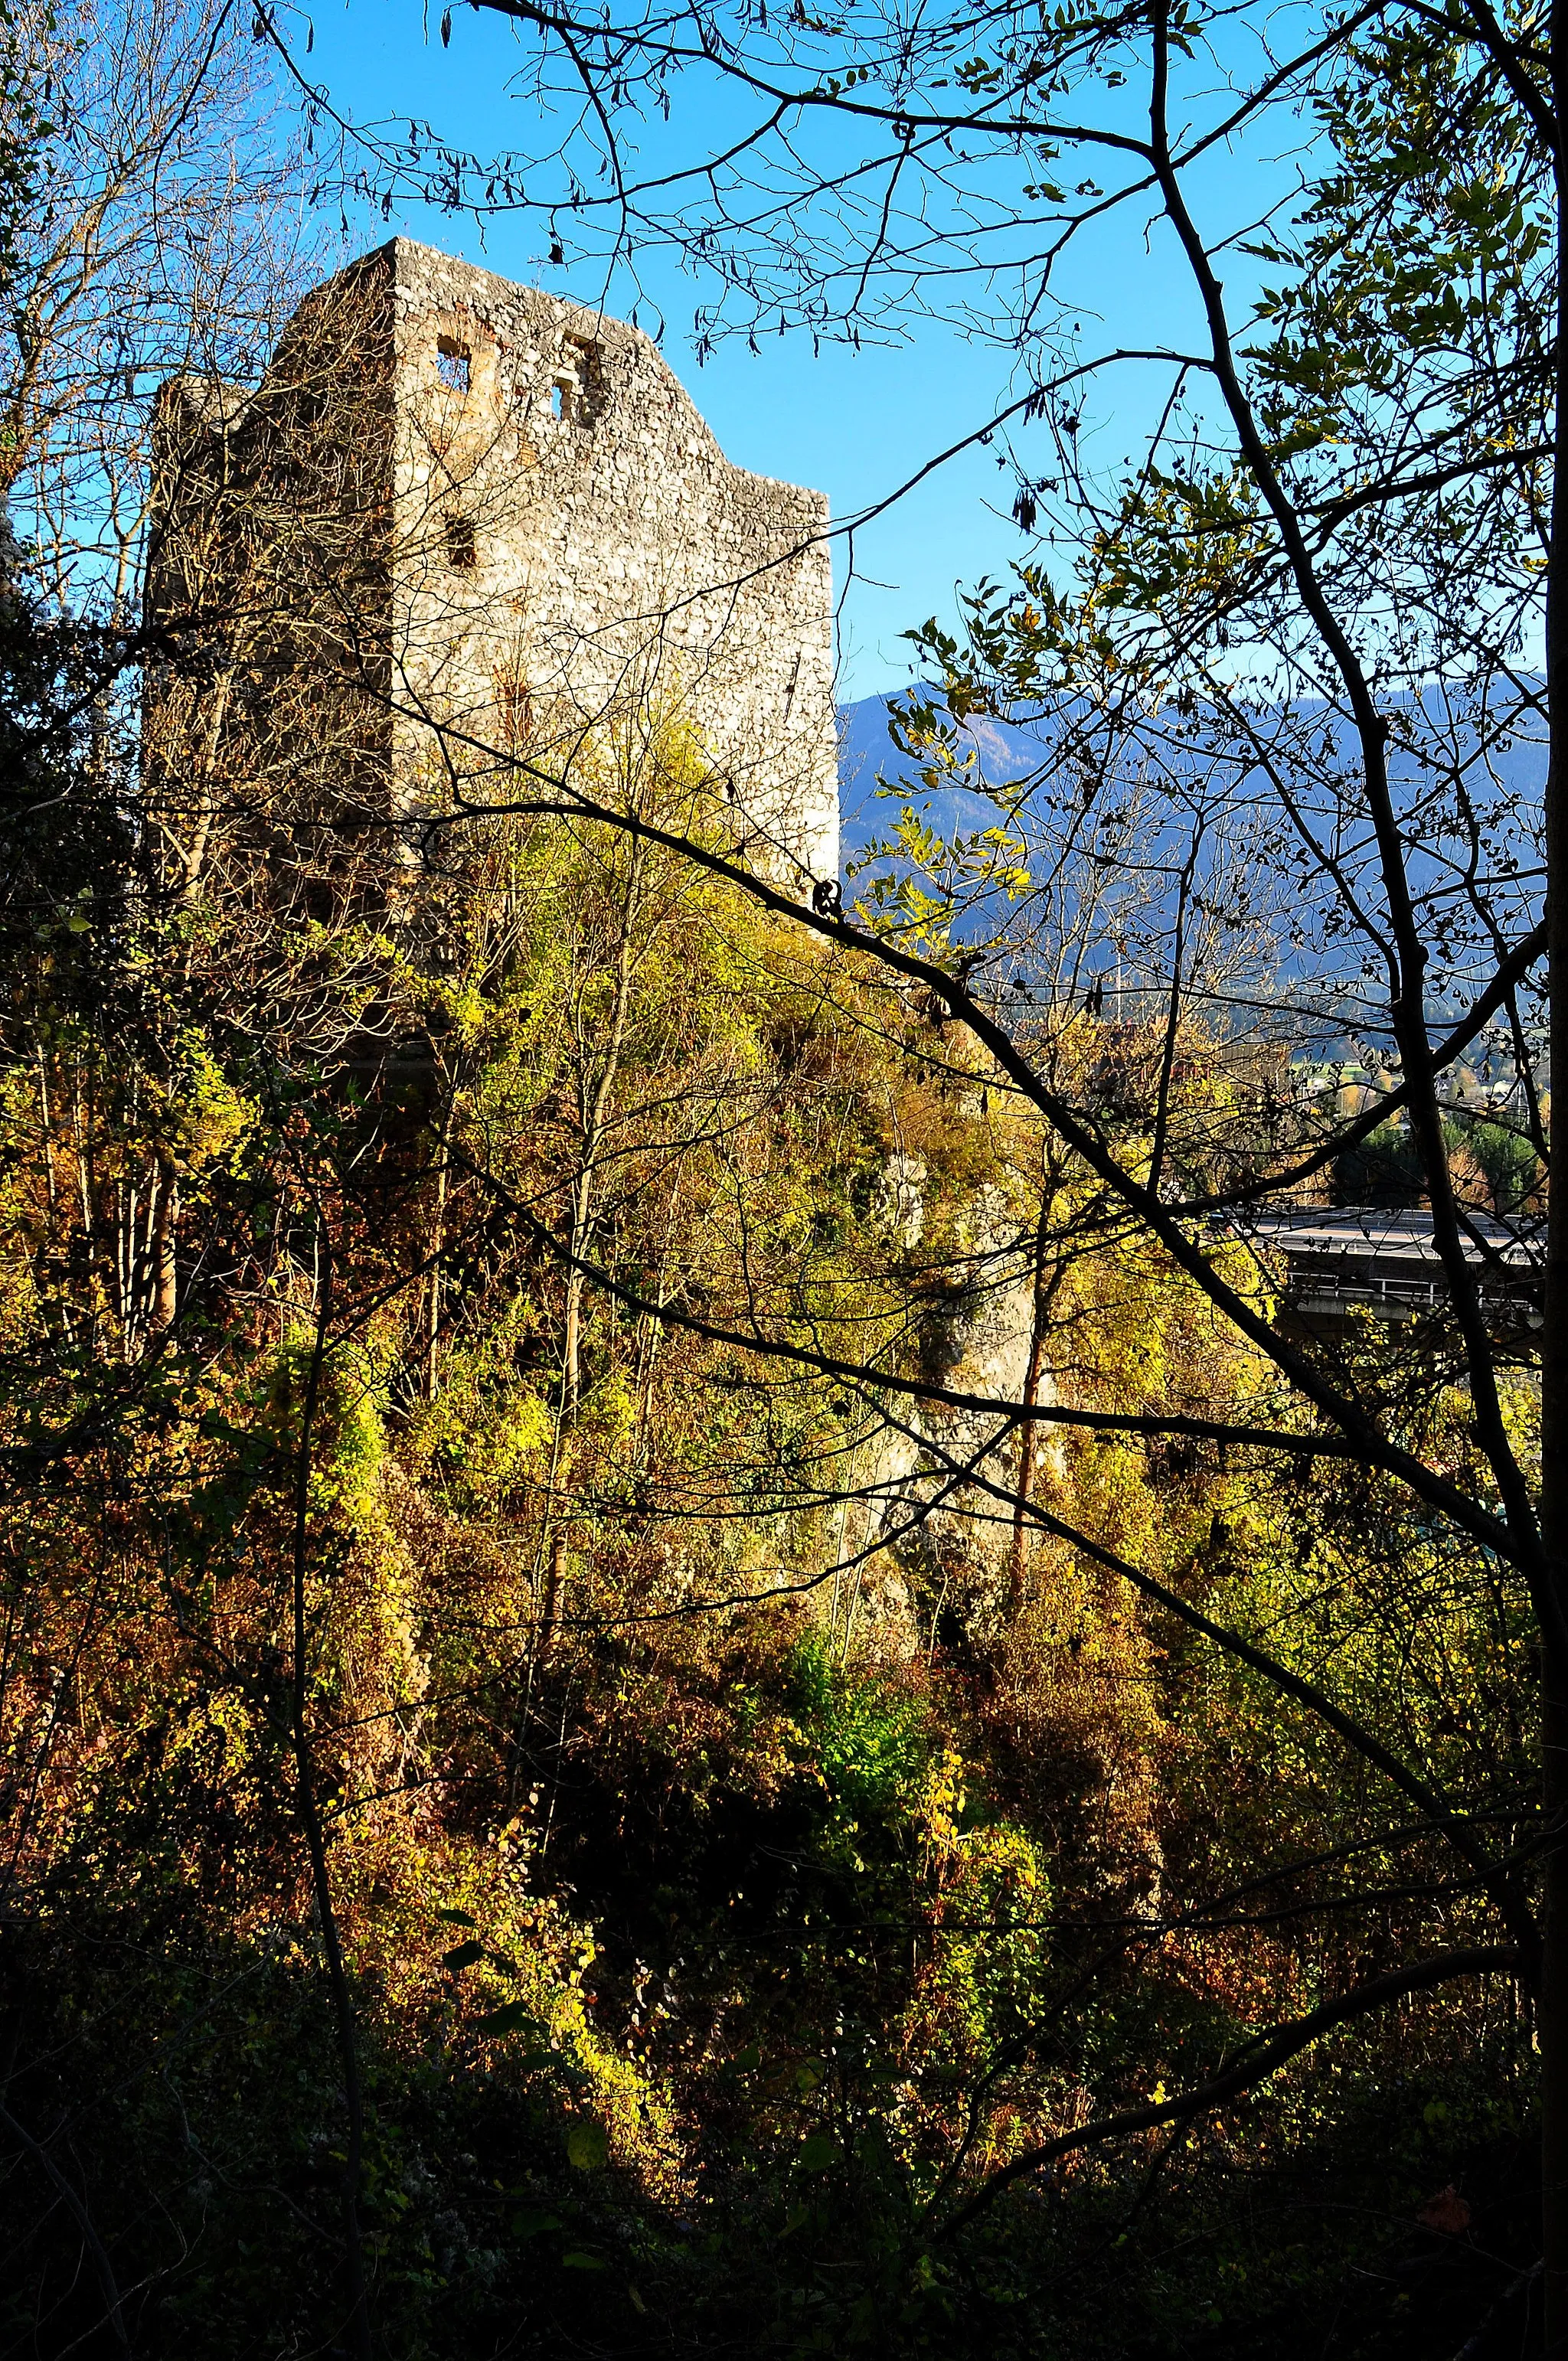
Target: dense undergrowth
[{"x": 741, "y": 1843}]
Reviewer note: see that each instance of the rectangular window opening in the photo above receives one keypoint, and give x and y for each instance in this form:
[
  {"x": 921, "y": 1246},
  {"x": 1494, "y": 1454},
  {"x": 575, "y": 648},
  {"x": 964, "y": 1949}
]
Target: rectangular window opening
[
  {"x": 453, "y": 364},
  {"x": 462, "y": 549},
  {"x": 578, "y": 387}
]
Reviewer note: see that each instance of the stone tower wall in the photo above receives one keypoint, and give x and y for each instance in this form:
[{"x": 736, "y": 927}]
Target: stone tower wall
[
  {"x": 557, "y": 537},
  {"x": 616, "y": 553}
]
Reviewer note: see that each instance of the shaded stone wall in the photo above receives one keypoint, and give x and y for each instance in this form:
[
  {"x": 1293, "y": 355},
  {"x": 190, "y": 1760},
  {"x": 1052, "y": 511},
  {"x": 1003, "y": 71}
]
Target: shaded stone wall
[{"x": 268, "y": 732}]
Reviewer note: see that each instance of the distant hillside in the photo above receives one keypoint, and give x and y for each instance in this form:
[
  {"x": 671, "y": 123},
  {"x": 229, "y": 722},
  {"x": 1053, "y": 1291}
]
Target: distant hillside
[
  {"x": 867, "y": 754},
  {"x": 1005, "y": 750},
  {"x": 1504, "y": 786}
]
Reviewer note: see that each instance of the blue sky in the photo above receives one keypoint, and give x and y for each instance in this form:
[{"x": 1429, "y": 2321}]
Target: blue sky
[{"x": 854, "y": 424}]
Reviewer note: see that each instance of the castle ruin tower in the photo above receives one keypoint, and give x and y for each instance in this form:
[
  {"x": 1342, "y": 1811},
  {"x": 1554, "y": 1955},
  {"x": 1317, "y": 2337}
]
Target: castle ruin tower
[{"x": 461, "y": 521}]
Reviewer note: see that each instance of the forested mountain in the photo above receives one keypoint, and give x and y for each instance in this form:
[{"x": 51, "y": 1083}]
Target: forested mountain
[
  {"x": 1014, "y": 748},
  {"x": 1484, "y": 743}
]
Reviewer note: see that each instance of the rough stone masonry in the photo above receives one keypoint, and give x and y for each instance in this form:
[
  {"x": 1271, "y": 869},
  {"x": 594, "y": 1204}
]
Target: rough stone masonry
[{"x": 504, "y": 515}]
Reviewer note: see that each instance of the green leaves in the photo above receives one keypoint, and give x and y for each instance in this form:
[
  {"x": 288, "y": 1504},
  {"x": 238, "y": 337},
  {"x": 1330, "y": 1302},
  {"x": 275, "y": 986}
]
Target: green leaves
[
  {"x": 515, "y": 2016},
  {"x": 532, "y": 2221},
  {"x": 586, "y": 2147}
]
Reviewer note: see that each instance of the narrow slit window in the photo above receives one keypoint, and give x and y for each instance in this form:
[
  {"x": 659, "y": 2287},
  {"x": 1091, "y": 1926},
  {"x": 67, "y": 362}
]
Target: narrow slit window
[
  {"x": 562, "y": 393},
  {"x": 516, "y": 712},
  {"x": 462, "y": 549},
  {"x": 453, "y": 364}
]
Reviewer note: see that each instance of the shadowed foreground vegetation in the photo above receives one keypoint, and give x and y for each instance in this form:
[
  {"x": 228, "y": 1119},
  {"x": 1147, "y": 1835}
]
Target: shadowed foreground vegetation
[{"x": 720, "y": 1843}]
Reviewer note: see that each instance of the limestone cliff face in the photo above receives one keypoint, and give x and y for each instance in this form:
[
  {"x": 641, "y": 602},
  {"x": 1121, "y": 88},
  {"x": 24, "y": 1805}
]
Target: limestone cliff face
[{"x": 944, "y": 1549}]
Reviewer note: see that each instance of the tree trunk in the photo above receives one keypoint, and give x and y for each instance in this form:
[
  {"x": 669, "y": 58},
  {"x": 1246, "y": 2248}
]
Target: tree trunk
[
  {"x": 165, "y": 1275},
  {"x": 550, "y": 1609},
  {"x": 596, "y": 1114},
  {"x": 572, "y": 1335},
  {"x": 1553, "y": 2024},
  {"x": 1026, "y": 1439},
  {"x": 1553, "y": 2029}
]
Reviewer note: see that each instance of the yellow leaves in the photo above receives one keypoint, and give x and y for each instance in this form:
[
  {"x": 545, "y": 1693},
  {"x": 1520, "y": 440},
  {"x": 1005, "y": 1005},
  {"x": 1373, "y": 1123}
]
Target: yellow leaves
[
  {"x": 610, "y": 1409},
  {"x": 517, "y": 2000},
  {"x": 182, "y": 1116},
  {"x": 203, "y": 1117},
  {"x": 940, "y": 1811},
  {"x": 983, "y": 1892},
  {"x": 485, "y": 1437},
  {"x": 465, "y": 1010},
  {"x": 347, "y": 1436}
]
